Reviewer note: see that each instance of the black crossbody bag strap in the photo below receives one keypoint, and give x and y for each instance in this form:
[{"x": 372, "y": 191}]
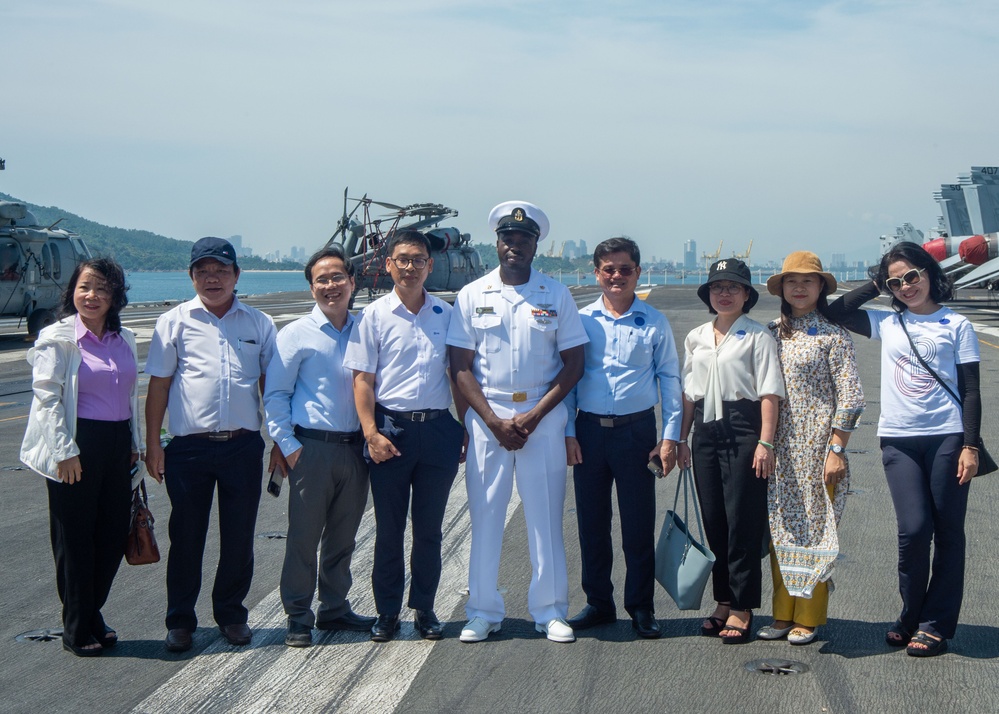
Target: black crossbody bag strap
[{"x": 936, "y": 376}]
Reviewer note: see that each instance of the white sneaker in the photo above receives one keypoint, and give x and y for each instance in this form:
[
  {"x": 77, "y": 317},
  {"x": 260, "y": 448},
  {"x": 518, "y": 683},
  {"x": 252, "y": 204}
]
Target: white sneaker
[
  {"x": 478, "y": 629},
  {"x": 557, "y": 630}
]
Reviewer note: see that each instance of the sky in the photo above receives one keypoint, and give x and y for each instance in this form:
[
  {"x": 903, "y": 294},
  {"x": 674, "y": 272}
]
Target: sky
[{"x": 795, "y": 124}]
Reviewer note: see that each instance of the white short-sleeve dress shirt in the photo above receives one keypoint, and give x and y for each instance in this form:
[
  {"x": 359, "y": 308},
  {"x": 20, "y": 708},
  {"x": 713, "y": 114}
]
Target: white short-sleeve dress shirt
[
  {"x": 215, "y": 363},
  {"x": 406, "y": 352}
]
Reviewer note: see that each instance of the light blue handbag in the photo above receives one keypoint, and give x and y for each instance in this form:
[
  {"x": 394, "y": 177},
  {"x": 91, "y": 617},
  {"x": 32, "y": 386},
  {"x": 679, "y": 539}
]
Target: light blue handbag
[{"x": 682, "y": 563}]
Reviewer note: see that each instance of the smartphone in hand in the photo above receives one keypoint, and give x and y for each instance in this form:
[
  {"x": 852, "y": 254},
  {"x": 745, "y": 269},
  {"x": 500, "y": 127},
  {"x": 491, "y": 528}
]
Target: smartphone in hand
[
  {"x": 274, "y": 485},
  {"x": 656, "y": 466}
]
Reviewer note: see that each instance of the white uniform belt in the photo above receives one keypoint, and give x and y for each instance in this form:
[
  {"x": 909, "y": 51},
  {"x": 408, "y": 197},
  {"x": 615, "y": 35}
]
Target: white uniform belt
[{"x": 518, "y": 396}]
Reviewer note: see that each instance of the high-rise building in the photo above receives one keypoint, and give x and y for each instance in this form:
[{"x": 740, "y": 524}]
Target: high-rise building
[
  {"x": 690, "y": 255},
  {"x": 838, "y": 261}
]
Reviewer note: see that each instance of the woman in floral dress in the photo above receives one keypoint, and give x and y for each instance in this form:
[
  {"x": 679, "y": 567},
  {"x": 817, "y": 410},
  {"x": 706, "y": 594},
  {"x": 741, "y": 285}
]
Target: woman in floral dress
[{"x": 808, "y": 491}]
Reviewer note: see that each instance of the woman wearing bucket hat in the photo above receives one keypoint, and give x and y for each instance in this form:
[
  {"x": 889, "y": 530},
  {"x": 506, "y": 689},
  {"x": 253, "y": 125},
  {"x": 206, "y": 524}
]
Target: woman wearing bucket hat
[
  {"x": 732, "y": 385},
  {"x": 807, "y": 494},
  {"x": 929, "y": 439}
]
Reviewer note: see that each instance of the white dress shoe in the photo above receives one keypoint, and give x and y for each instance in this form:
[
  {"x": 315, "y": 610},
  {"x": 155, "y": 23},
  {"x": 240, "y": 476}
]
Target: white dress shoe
[
  {"x": 478, "y": 629},
  {"x": 800, "y": 637},
  {"x": 557, "y": 630},
  {"x": 773, "y": 633}
]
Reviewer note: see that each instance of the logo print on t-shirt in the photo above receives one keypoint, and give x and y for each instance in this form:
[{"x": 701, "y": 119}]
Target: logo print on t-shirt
[{"x": 911, "y": 378}]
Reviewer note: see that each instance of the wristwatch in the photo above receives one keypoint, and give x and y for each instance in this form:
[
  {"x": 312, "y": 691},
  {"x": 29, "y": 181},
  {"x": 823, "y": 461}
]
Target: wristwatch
[{"x": 837, "y": 449}]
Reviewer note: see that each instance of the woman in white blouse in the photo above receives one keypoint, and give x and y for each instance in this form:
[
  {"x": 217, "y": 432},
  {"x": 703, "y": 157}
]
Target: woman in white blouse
[{"x": 731, "y": 386}]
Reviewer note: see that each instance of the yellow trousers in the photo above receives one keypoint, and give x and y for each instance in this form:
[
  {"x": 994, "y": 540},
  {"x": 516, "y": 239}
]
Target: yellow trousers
[{"x": 810, "y": 612}]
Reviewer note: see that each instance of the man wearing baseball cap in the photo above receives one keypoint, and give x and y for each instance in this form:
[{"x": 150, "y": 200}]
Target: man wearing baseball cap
[
  {"x": 206, "y": 363},
  {"x": 516, "y": 351}
]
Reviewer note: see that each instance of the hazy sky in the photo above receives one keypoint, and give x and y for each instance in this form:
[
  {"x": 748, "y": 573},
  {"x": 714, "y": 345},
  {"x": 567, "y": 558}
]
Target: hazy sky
[{"x": 795, "y": 123}]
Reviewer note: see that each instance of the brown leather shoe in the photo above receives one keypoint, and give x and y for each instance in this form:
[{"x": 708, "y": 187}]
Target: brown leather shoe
[
  {"x": 238, "y": 634},
  {"x": 178, "y": 640}
]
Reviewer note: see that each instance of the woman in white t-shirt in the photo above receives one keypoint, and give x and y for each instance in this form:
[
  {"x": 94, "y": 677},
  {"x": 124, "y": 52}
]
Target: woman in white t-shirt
[
  {"x": 929, "y": 443},
  {"x": 732, "y": 385}
]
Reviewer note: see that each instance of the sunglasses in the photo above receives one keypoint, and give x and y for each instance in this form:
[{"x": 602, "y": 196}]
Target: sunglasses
[
  {"x": 911, "y": 277},
  {"x": 624, "y": 272}
]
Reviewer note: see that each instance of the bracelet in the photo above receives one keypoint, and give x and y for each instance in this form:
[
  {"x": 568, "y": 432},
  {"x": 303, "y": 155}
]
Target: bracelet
[
  {"x": 969, "y": 446},
  {"x": 761, "y": 442},
  {"x": 682, "y": 441}
]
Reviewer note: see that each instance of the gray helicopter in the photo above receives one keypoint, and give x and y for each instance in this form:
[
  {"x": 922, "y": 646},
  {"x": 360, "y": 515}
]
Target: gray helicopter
[
  {"x": 365, "y": 238},
  {"x": 35, "y": 265}
]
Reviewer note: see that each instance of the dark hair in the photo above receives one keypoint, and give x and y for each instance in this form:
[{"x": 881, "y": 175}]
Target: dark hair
[
  {"x": 407, "y": 236},
  {"x": 619, "y": 244},
  {"x": 333, "y": 250},
  {"x": 114, "y": 276},
  {"x": 822, "y": 306},
  {"x": 941, "y": 288}
]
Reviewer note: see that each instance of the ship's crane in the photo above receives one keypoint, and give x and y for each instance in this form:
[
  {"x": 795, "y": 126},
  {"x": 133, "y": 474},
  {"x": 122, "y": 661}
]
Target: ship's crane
[
  {"x": 744, "y": 256},
  {"x": 709, "y": 257}
]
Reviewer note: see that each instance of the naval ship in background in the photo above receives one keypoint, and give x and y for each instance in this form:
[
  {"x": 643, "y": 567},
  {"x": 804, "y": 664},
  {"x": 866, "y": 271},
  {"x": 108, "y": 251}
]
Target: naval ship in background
[{"x": 966, "y": 241}]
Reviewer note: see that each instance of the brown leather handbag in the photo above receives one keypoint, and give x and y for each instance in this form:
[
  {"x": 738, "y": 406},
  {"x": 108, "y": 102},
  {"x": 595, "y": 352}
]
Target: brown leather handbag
[{"x": 141, "y": 548}]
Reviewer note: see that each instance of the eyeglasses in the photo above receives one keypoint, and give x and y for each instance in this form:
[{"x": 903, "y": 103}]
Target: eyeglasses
[
  {"x": 624, "y": 272},
  {"x": 335, "y": 279},
  {"x": 725, "y": 288},
  {"x": 418, "y": 263},
  {"x": 911, "y": 277}
]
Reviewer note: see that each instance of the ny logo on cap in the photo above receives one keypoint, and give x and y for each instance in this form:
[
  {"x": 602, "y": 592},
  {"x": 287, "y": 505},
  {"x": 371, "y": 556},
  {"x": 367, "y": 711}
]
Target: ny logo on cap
[
  {"x": 518, "y": 214},
  {"x": 722, "y": 265}
]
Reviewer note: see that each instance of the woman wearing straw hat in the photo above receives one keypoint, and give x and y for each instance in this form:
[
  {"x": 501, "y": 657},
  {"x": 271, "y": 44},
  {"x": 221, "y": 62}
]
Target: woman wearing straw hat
[
  {"x": 731, "y": 387},
  {"x": 807, "y": 494}
]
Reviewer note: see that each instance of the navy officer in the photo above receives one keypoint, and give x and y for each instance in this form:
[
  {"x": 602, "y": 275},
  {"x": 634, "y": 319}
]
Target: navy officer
[{"x": 516, "y": 347}]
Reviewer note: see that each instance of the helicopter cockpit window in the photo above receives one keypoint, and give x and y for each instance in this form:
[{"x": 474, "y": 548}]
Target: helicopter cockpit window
[
  {"x": 56, "y": 261},
  {"x": 10, "y": 262},
  {"x": 46, "y": 261}
]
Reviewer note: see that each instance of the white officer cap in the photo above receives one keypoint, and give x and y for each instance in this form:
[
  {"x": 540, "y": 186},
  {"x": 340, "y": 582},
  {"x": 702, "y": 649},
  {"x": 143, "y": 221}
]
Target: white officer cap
[{"x": 519, "y": 216}]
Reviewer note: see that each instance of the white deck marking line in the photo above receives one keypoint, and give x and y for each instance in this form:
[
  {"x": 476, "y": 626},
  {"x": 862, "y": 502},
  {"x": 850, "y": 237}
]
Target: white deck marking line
[{"x": 342, "y": 671}]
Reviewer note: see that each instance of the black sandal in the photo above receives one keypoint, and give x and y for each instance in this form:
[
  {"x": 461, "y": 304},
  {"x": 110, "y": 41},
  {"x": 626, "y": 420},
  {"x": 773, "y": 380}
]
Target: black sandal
[
  {"x": 745, "y": 633},
  {"x": 932, "y": 647},
  {"x": 81, "y": 651},
  {"x": 108, "y": 639},
  {"x": 901, "y": 635},
  {"x": 717, "y": 625}
]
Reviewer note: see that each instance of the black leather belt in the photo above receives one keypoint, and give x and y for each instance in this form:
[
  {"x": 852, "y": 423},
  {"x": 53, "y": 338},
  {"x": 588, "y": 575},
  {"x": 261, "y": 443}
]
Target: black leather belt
[
  {"x": 425, "y": 415},
  {"x": 221, "y": 435},
  {"x": 335, "y": 437},
  {"x": 610, "y": 421}
]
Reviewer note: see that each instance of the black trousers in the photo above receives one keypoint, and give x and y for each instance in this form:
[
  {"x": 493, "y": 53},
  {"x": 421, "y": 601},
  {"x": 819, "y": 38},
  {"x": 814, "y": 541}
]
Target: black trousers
[
  {"x": 930, "y": 506},
  {"x": 194, "y": 468},
  {"x": 617, "y": 457},
  {"x": 426, "y": 470},
  {"x": 88, "y": 523},
  {"x": 733, "y": 500}
]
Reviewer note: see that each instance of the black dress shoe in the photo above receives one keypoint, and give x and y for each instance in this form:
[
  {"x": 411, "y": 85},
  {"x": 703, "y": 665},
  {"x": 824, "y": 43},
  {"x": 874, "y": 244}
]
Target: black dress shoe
[
  {"x": 590, "y": 616},
  {"x": 298, "y": 635},
  {"x": 428, "y": 625},
  {"x": 237, "y": 634},
  {"x": 349, "y": 620},
  {"x": 384, "y": 628},
  {"x": 646, "y": 625},
  {"x": 178, "y": 640}
]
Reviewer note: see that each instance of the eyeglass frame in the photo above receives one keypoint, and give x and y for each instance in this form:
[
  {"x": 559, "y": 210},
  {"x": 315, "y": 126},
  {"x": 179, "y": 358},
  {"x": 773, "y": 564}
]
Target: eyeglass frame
[
  {"x": 731, "y": 289},
  {"x": 335, "y": 279},
  {"x": 404, "y": 263},
  {"x": 625, "y": 271},
  {"x": 904, "y": 279}
]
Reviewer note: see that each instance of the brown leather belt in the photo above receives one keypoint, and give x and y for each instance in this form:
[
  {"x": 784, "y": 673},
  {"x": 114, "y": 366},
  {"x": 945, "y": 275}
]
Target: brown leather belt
[
  {"x": 335, "y": 437},
  {"x": 610, "y": 421},
  {"x": 222, "y": 435}
]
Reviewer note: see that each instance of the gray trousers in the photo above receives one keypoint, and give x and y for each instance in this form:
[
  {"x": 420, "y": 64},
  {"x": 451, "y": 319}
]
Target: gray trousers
[{"x": 328, "y": 489}]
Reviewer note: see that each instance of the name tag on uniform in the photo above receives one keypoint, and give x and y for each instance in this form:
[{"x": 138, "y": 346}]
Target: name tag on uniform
[{"x": 485, "y": 311}]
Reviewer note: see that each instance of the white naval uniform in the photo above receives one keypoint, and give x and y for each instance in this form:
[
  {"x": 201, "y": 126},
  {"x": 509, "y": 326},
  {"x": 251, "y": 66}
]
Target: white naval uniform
[{"x": 517, "y": 332}]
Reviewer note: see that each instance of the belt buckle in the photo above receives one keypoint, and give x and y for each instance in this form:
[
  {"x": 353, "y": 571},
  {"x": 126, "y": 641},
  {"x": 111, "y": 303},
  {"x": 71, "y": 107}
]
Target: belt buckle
[
  {"x": 520, "y": 396},
  {"x": 419, "y": 416},
  {"x": 219, "y": 435},
  {"x": 607, "y": 422}
]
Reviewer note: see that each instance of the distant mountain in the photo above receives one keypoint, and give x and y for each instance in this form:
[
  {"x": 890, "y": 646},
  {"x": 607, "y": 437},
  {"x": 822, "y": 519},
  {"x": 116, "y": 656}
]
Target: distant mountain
[{"x": 134, "y": 249}]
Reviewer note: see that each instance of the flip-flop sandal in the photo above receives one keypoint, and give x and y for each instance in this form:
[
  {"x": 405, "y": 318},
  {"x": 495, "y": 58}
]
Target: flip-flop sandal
[
  {"x": 897, "y": 636},
  {"x": 931, "y": 648}
]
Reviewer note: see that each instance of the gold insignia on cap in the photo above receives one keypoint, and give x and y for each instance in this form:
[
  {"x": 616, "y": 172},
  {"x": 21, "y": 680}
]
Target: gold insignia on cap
[{"x": 518, "y": 214}]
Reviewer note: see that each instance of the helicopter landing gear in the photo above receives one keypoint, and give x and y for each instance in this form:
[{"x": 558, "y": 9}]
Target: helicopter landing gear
[{"x": 39, "y": 319}]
